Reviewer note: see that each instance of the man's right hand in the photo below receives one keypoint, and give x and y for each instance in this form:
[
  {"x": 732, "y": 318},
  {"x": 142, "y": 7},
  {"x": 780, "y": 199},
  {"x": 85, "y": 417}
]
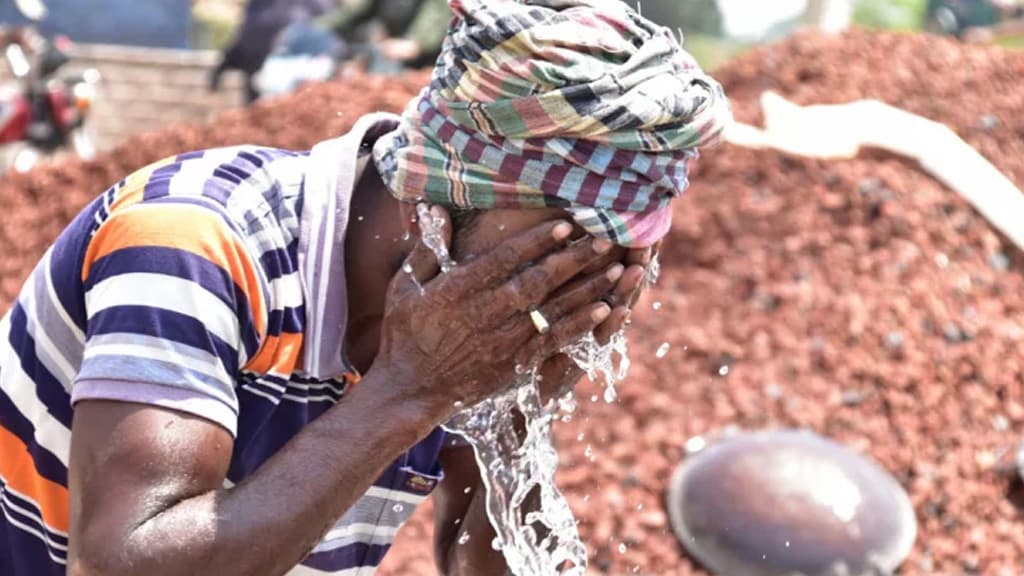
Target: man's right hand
[{"x": 461, "y": 337}]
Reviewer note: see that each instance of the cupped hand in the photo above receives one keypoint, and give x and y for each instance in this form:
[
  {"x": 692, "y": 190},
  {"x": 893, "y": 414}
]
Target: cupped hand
[
  {"x": 559, "y": 372},
  {"x": 458, "y": 337}
]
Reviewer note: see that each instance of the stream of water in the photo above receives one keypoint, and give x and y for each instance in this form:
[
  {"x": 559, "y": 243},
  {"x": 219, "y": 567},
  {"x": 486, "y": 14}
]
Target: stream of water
[{"x": 511, "y": 438}]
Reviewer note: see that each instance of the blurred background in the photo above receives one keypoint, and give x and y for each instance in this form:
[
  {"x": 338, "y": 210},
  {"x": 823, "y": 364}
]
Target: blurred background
[
  {"x": 156, "y": 61},
  {"x": 872, "y": 295}
]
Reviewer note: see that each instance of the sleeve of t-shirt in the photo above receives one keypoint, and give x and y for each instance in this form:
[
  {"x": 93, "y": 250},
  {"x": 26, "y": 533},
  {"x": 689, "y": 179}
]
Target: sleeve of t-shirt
[{"x": 173, "y": 306}]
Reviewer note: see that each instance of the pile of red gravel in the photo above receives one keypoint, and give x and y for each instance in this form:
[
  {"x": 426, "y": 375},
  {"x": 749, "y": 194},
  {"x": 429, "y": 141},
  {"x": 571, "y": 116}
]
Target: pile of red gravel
[{"x": 857, "y": 298}]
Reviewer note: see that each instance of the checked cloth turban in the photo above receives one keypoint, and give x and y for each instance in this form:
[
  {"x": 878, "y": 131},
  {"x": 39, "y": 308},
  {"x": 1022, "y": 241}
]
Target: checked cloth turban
[{"x": 577, "y": 104}]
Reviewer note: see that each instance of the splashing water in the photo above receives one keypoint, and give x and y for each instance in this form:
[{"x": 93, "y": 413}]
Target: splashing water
[
  {"x": 599, "y": 362},
  {"x": 511, "y": 439},
  {"x": 653, "y": 272},
  {"x": 432, "y": 228}
]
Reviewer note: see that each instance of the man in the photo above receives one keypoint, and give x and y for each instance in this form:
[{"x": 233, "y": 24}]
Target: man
[{"x": 234, "y": 362}]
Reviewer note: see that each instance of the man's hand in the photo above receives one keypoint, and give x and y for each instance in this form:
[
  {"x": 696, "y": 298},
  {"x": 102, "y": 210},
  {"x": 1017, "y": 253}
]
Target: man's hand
[
  {"x": 459, "y": 501},
  {"x": 461, "y": 337},
  {"x": 559, "y": 373}
]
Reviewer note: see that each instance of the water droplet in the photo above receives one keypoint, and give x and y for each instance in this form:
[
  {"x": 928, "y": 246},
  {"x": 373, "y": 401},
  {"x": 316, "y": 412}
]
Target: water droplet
[
  {"x": 520, "y": 369},
  {"x": 663, "y": 350},
  {"x": 639, "y": 507},
  {"x": 457, "y": 521},
  {"x": 610, "y": 395},
  {"x": 376, "y": 236},
  {"x": 463, "y": 538},
  {"x": 580, "y": 437},
  {"x": 458, "y": 404},
  {"x": 695, "y": 444},
  {"x": 467, "y": 489},
  {"x": 653, "y": 273},
  {"x": 501, "y": 228},
  {"x": 787, "y": 543},
  {"x": 622, "y": 548},
  {"x": 593, "y": 398},
  {"x": 406, "y": 237},
  {"x": 496, "y": 543},
  {"x": 724, "y": 370},
  {"x": 589, "y": 453},
  {"x": 636, "y": 569},
  {"x": 656, "y": 305},
  {"x": 407, "y": 268},
  {"x": 398, "y": 507},
  {"x": 586, "y": 497},
  {"x": 941, "y": 260},
  {"x": 359, "y": 218}
]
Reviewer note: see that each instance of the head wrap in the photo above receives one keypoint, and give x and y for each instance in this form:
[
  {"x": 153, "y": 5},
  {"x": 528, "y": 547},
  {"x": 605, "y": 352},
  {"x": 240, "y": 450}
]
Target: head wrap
[{"x": 577, "y": 104}]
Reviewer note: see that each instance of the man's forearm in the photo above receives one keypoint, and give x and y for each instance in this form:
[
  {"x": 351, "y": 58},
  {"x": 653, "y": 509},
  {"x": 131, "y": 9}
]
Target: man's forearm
[{"x": 268, "y": 523}]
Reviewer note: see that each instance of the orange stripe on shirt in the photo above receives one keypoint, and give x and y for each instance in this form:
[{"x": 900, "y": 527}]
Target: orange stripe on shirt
[
  {"x": 184, "y": 227},
  {"x": 135, "y": 184},
  {"x": 277, "y": 355},
  {"x": 19, "y": 472}
]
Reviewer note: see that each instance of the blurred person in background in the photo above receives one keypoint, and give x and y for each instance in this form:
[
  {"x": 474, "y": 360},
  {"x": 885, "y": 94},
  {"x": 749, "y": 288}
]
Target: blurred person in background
[
  {"x": 406, "y": 32},
  {"x": 976, "y": 21},
  {"x": 238, "y": 361},
  {"x": 263, "y": 22},
  {"x": 381, "y": 37}
]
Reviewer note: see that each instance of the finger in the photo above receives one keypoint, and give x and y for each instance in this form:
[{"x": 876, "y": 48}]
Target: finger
[
  {"x": 641, "y": 256},
  {"x": 582, "y": 293},
  {"x": 505, "y": 259},
  {"x": 419, "y": 266},
  {"x": 615, "y": 322},
  {"x": 563, "y": 333},
  {"x": 533, "y": 285},
  {"x": 558, "y": 375},
  {"x": 628, "y": 286}
]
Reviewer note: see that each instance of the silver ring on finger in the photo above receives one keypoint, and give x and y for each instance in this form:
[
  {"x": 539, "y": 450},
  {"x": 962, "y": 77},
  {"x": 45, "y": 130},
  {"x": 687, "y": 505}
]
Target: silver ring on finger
[{"x": 540, "y": 322}]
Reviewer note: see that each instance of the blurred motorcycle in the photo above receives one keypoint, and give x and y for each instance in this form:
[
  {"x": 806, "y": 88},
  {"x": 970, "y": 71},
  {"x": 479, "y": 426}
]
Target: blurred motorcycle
[{"x": 42, "y": 113}]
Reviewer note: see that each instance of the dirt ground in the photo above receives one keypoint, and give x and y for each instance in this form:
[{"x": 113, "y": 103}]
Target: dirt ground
[{"x": 860, "y": 299}]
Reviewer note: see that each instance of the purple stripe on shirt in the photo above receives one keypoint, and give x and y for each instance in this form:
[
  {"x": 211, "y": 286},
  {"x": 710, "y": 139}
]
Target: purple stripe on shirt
[
  {"x": 46, "y": 463},
  {"x": 49, "y": 390},
  {"x": 351, "y": 556}
]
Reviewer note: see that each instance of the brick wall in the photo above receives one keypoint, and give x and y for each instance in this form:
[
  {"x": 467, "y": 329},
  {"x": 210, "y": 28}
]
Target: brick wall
[{"x": 145, "y": 88}]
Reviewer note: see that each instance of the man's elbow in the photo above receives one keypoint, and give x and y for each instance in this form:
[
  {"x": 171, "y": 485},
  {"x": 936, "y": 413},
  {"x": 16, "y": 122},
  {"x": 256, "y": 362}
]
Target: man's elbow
[{"x": 97, "y": 555}]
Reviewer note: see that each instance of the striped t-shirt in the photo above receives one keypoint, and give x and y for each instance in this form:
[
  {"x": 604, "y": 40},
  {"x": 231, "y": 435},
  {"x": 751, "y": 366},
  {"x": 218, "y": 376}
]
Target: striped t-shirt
[{"x": 211, "y": 283}]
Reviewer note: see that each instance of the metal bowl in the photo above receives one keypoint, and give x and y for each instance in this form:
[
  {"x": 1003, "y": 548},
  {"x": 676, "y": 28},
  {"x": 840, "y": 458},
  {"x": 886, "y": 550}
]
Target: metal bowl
[{"x": 786, "y": 503}]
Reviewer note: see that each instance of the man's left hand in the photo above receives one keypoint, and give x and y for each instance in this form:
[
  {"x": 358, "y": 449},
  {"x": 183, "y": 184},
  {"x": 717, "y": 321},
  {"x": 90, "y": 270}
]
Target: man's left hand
[{"x": 559, "y": 373}]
